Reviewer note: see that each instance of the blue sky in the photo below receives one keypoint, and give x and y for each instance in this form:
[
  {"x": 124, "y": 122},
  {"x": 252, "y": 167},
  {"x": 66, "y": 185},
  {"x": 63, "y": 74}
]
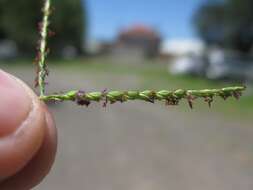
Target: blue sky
[{"x": 173, "y": 18}]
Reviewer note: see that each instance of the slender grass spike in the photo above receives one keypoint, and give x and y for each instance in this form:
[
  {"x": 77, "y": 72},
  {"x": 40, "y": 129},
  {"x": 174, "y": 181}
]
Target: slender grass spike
[{"x": 83, "y": 98}]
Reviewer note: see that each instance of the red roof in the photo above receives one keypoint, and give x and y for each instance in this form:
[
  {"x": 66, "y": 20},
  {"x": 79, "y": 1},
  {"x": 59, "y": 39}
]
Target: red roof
[{"x": 139, "y": 30}]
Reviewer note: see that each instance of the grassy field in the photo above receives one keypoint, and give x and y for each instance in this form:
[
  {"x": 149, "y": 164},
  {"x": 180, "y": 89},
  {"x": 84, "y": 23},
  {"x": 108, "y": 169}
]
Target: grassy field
[{"x": 154, "y": 76}]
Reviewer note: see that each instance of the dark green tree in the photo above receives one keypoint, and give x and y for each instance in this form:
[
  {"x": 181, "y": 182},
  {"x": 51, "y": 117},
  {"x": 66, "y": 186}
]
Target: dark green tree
[
  {"x": 2, "y": 36},
  {"x": 226, "y": 22},
  {"x": 19, "y": 21},
  {"x": 209, "y": 21},
  {"x": 239, "y": 23}
]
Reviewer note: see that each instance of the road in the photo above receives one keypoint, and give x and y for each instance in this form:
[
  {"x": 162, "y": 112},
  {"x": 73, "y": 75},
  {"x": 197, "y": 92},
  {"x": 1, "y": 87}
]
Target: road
[{"x": 139, "y": 146}]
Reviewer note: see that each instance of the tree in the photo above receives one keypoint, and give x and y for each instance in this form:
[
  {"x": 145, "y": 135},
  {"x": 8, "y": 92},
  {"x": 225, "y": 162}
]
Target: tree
[
  {"x": 227, "y": 23},
  {"x": 239, "y": 21},
  {"x": 209, "y": 20},
  {"x": 20, "y": 23},
  {"x": 2, "y": 35},
  {"x": 68, "y": 23}
]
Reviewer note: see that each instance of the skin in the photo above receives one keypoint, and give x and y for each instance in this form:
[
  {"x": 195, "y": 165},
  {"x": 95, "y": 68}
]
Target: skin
[{"x": 28, "y": 137}]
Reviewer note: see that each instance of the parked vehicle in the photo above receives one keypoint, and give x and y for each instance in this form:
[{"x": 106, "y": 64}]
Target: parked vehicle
[
  {"x": 216, "y": 64},
  {"x": 188, "y": 64},
  {"x": 8, "y": 49},
  {"x": 230, "y": 66}
]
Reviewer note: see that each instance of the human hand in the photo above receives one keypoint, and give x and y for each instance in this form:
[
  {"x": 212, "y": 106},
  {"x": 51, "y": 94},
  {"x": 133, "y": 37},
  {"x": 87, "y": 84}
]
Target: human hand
[{"x": 28, "y": 136}]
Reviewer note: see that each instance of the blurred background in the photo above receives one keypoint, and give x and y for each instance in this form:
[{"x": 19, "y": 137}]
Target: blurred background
[{"x": 137, "y": 44}]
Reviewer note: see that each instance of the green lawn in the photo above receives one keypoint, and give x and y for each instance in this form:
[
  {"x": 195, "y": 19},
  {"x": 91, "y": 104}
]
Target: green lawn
[{"x": 155, "y": 76}]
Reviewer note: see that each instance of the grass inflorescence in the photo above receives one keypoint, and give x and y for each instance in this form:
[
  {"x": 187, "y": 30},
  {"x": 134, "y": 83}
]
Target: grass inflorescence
[
  {"x": 169, "y": 97},
  {"x": 85, "y": 98},
  {"x": 43, "y": 50}
]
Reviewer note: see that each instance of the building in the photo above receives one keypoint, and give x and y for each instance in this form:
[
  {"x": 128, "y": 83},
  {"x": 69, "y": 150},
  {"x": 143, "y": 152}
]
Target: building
[{"x": 138, "y": 41}]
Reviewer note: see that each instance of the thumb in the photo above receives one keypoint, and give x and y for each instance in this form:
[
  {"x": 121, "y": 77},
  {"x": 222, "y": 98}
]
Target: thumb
[{"x": 22, "y": 122}]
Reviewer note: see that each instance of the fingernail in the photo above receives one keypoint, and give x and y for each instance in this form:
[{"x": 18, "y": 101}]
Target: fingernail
[{"x": 15, "y": 103}]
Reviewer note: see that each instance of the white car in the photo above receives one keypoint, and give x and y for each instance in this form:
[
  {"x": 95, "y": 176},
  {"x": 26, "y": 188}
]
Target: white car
[
  {"x": 189, "y": 64},
  {"x": 231, "y": 67},
  {"x": 8, "y": 49}
]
